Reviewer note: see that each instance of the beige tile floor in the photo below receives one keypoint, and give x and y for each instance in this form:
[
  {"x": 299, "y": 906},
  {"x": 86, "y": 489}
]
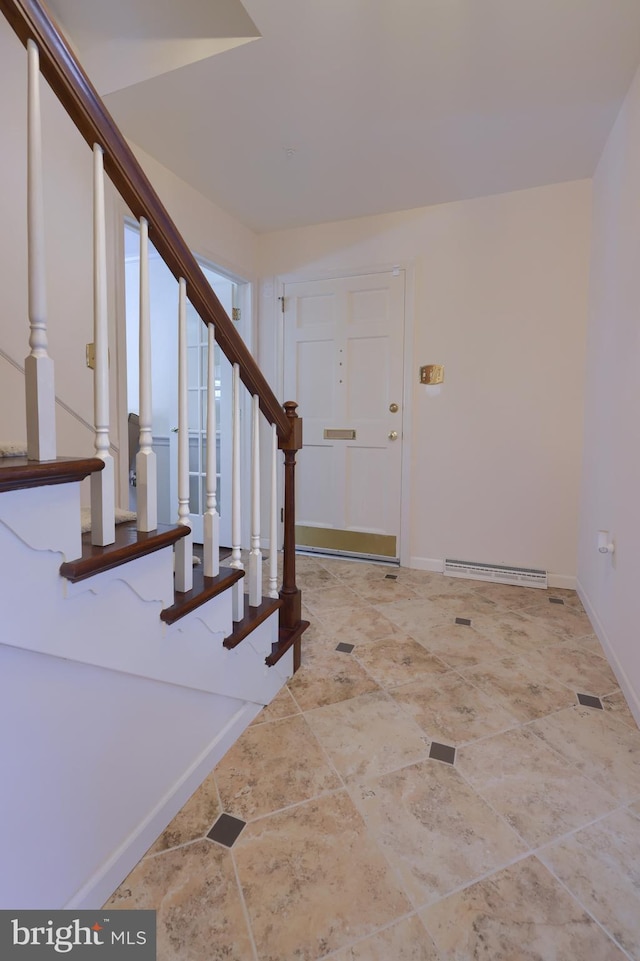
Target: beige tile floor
[{"x": 359, "y": 846}]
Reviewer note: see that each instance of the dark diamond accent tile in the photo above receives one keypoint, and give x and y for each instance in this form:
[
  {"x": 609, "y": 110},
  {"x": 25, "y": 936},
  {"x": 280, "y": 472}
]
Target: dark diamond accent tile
[
  {"x": 442, "y": 752},
  {"x": 556, "y": 600},
  {"x": 391, "y": 577},
  {"x": 588, "y": 700},
  {"x": 345, "y": 648},
  {"x": 226, "y": 830},
  {"x": 463, "y": 620}
]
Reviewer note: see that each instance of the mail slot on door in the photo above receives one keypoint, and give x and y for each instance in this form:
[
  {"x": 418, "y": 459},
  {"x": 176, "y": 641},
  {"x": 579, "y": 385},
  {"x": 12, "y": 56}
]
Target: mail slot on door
[{"x": 339, "y": 434}]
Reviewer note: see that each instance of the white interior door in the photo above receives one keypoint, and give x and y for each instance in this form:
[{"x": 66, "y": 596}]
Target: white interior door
[{"x": 344, "y": 365}]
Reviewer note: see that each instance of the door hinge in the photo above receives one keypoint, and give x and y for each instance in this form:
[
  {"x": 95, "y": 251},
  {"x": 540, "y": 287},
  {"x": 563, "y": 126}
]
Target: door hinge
[
  {"x": 281, "y": 299},
  {"x": 90, "y": 354},
  {"x": 282, "y": 515},
  {"x": 235, "y": 313}
]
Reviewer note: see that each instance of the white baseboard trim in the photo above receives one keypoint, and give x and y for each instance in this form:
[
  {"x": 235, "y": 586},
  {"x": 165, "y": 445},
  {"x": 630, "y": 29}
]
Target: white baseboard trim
[
  {"x": 94, "y": 893},
  {"x": 566, "y": 581},
  {"x": 632, "y": 696},
  {"x": 427, "y": 564}
]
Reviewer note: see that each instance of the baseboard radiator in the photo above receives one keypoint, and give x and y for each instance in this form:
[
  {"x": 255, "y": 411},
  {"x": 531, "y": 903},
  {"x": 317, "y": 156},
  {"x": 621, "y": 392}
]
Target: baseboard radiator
[{"x": 522, "y": 576}]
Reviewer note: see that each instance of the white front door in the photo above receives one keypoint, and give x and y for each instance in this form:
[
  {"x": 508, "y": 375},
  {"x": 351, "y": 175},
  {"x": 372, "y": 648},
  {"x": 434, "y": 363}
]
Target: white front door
[{"x": 343, "y": 362}]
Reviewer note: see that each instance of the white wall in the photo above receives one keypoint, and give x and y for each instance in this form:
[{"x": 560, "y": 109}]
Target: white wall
[
  {"x": 214, "y": 236},
  {"x": 611, "y": 468},
  {"x": 210, "y": 231},
  {"x": 67, "y": 196},
  {"x": 500, "y": 299},
  {"x": 88, "y": 799}
]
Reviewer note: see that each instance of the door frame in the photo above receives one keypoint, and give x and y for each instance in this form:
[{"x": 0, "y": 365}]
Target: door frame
[{"x": 409, "y": 375}]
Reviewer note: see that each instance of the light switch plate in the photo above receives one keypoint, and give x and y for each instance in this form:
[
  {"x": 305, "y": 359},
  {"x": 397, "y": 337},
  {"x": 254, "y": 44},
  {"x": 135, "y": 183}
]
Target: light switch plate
[{"x": 432, "y": 374}]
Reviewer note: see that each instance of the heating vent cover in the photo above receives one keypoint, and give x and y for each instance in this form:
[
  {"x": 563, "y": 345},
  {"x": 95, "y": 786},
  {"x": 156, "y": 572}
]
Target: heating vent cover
[{"x": 524, "y": 576}]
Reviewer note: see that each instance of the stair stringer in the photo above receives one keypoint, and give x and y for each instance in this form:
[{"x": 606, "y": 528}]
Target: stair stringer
[
  {"x": 112, "y": 621},
  {"x": 45, "y": 518},
  {"x": 150, "y": 577},
  {"x": 241, "y": 672}
]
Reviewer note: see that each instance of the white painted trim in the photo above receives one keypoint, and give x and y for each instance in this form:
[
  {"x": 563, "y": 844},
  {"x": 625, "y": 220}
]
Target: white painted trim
[
  {"x": 335, "y": 273},
  {"x": 118, "y": 217},
  {"x": 255, "y": 553},
  {"x": 407, "y": 415},
  {"x": 231, "y": 272},
  {"x": 38, "y": 366},
  {"x": 632, "y": 696},
  {"x": 276, "y": 298},
  {"x": 566, "y": 581},
  {"x": 278, "y": 292},
  {"x": 106, "y": 879},
  {"x": 434, "y": 564}
]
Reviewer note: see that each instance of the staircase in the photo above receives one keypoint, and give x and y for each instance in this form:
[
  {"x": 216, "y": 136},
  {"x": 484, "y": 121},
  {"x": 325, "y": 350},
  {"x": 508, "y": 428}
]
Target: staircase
[{"x": 125, "y": 673}]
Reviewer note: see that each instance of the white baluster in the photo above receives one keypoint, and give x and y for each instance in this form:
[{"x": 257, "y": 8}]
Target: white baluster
[
  {"x": 103, "y": 527},
  {"x": 211, "y": 517},
  {"x": 184, "y": 547},
  {"x": 38, "y": 366},
  {"x": 273, "y": 526},
  {"x": 146, "y": 477},
  {"x": 255, "y": 554},
  {"x": 236, "y": 532}
]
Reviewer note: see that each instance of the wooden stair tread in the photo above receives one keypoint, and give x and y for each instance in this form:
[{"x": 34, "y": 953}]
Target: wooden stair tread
[
  {"x": 129, "y": 544},
  {"x": 251, "y": 620},
  {"x": 204, "y": 588},
  {"x": 17, "y": 473},
  {"x": 287, "y": 637}
]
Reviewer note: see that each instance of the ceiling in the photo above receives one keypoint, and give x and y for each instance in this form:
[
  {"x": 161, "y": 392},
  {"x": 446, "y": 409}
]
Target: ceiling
[
  {"x": 124, "y": 42},
  {"x": 344, "y": 108}
]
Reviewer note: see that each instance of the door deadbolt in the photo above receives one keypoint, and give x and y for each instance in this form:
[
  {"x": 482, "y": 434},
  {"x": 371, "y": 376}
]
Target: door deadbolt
[
  {"x": 394, "y": 408},
  {"x": 393, "y": 435}
]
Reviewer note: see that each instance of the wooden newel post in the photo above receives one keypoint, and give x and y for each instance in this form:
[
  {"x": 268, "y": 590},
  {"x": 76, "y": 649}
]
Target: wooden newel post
[{"x": 291, "y": 612}]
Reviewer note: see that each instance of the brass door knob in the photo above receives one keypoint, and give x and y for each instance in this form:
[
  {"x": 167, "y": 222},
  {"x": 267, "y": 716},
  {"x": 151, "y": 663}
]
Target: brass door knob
[
  {"x": 394, "y": 408},
  {"x": 393, "y": 435}
]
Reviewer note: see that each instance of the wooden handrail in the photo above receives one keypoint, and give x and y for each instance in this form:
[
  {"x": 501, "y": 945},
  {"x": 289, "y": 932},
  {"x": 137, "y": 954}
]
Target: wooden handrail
[{"x": 31, "y": 20}]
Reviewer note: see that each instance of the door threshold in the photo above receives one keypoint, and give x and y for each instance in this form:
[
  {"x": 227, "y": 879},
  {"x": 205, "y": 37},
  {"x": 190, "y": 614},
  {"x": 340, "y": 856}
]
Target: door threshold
[{"x": 347, "y": 555}]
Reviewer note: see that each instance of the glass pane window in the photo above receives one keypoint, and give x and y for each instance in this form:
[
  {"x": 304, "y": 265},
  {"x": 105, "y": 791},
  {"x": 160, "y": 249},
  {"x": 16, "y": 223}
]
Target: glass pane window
[
  {"x": 194, "y": 494},
  {"x": 194, "y": 453},
  {"x": 192, "y": 367},
  {"x": 193, "y": 326}
]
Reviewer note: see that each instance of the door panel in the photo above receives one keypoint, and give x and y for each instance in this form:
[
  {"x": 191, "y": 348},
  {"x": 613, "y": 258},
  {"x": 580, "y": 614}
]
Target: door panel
[
  {"x": 344, "y": 366},
  {"x": 315, "y": 357},
  {"x": 362, "y": 509},
  {"x": 316, "y": 495}
]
